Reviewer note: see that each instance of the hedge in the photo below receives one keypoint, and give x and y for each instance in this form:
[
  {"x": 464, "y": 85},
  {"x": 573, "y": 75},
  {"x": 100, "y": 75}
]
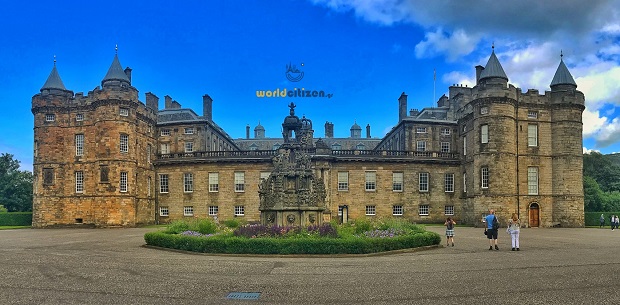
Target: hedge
[
  {"x": 593, "y": 218},
  {"x": 16, "y": 219},
  {"x": 241, "y": 245}
]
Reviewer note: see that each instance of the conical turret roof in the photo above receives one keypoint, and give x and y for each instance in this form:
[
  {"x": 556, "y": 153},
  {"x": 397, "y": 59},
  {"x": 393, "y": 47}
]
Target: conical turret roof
[
  {"x": 116, "y": 71},
  {"x": 493, "y": 68},
  {"x": 54, "y": 81},
  {"x": 562, "y": 76}
]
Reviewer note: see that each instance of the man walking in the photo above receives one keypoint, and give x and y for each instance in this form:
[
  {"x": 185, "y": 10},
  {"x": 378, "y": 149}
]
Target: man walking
[
  {"x": 492, "y": 228},
  {"x": 602, "y": 221}
]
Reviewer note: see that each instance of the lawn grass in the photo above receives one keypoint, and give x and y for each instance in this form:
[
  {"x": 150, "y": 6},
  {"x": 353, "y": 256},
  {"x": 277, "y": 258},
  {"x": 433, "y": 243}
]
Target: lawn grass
[{"x": 14, "y": 227}]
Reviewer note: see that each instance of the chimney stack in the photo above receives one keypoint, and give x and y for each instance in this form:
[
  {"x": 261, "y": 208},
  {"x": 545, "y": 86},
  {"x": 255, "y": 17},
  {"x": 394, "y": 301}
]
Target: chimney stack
[
  {"x": 207, "y": 107},
  {"x": 368, "y": 131},
  {"x": 152, "y": 101},
  {"x": 167, "y": 102},
  {"x": 128, "y": 73},
  {"x": 247, "y": 131},
  {"x": 402, "y": 107},
  {"x": 479, "y": 70},
  {"x": 329, "y": 130}
]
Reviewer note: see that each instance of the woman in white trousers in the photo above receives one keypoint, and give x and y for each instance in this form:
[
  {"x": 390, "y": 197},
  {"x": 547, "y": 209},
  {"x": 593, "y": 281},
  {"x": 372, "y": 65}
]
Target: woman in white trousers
[{"x": 514, "y": 228}]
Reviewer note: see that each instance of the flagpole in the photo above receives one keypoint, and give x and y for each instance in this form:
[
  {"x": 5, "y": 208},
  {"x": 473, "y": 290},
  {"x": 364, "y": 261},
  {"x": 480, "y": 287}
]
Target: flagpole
[{"x": 434, "y": 79}]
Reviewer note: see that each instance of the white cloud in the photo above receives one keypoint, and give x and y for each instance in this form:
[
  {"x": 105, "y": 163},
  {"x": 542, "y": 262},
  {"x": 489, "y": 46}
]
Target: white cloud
[
  {"x": 589, "y": 151},
  {"x": 593, "y": 123},
  {"x": 456, "y": 77},
  {"x": 454, "y": 45}
]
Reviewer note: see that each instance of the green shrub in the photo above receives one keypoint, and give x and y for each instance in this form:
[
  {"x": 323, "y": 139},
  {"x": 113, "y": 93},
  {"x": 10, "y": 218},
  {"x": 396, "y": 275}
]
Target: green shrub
[
  {"x": 205, "y": 226},
  {"x": 16, "y": 219},
  {"x": 233, "y": 223},
  {"x": 226, "y": 243},
  {"x": 177, "y": 227}
]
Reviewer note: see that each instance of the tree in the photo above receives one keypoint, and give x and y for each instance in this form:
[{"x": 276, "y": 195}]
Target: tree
[{"x": 15, "y": 185}]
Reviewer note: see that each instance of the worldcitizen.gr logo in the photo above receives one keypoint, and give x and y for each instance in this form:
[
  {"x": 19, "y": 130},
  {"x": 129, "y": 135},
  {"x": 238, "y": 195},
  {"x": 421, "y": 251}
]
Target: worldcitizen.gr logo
[
  {"x": 293, "y": 74},
  {"x": 292, "y": 93}
]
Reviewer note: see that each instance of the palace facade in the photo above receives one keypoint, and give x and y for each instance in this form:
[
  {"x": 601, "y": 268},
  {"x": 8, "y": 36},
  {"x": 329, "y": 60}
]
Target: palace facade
[{"x": 109, "y": 159}]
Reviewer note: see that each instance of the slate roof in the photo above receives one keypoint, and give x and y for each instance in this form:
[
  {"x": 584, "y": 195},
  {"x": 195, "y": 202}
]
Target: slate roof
[
  {"x": 54, "y": 81},
  {"x": 562, "y": 76},
  {"x": 493, "y": 69},
  {"x": 116, "y": 71}
]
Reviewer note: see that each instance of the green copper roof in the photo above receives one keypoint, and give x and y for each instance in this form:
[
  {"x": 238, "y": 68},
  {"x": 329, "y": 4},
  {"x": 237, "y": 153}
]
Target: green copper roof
[
  {"x": 562, "y": 76},
  {"x": 116, "y": 71},
  {"x": 493, "y": 68},
  {"x": 54, "y": 81}
]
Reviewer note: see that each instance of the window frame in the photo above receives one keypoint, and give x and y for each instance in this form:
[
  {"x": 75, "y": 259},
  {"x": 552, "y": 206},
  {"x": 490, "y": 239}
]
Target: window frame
[
  {"x": 164, "y": 132},
  {"x": 188, "y": 182},
  {"x": 445, "y": 147},
  {"x": 164, "y": 184},
  {"x": 371, "y": 210},
  {"x": 188, "y": 130},
  {"x": 188, "y": 210},
  {"x": 448, "y": 210},
  {"x": 423, "y": 210},
  {"x": 188, "y": 147},
  {"x": 164, "y": 211},
  {"x": 370, "y": 178},
  {"x": 123, "y": 182},
  {"x": 79, "y": 182},
  {"x": 420, "y": 130},
  {"x": 424, "y": 182},
  {"x": 484, "y": 177},
  {"x": 420, "y": 145},
  {"x": 239, "y": 181},
  {"x": 532, "y": 180},
  {"x": 214, "y": 182},
  {"x": 532, "y": 114},
  {"x": 79, "y": 117},
  {"x": 448, "y": 182},
  {"x": 398, "y": 179},
  {"x": 484, "y": 134},
  {"x": 532, "y": 135},
  {"x": 123, "y": 111},
  {"x": 214, "y": 210},
  {"x": 239, "y": 210},
  {"x": 50, "y": 117},
  {"x": 79, "y": 144},
  {"x": 484, "y": 110},
  {"x": 397, "y": 210},
  {"x": 124, "y": 143},
  {"x": 445, "y": 131}
]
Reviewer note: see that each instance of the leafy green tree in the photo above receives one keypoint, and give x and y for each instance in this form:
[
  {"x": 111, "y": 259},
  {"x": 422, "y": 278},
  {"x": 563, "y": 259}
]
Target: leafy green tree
[
  {"x": 595, "y": 199},
  {"x": 15, "y": 185}
]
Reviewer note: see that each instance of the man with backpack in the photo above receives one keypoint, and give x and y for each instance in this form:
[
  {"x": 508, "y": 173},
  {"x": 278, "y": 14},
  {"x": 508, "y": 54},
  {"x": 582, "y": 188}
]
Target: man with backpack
[{"x": 492, "y": 228}]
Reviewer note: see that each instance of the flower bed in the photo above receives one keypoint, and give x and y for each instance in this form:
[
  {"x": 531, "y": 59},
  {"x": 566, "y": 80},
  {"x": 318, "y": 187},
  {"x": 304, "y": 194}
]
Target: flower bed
[{"x": 356, "y": 238}]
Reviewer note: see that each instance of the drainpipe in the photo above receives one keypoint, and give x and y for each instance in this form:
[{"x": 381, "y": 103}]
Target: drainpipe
[{"x": 517, "y": 131}]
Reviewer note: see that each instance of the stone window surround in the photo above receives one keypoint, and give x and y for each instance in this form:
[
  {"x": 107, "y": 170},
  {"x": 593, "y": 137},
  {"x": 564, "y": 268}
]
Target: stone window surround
[
  {"x": 163, "y": 211},
  {"x": 163, "y": 183},
  {"x": 188, "y": 182},
  {"x": 188, "y": 211},
  {"x": 397, "y": 181},
  {"x": 448, "y": 210},
  {"x": 397, "y": 210},
  {"x": 239, "y": 210},
  {"x": 123, "y": 184},
  {"x": 239, "y": 182},
  {"x": 79, "y": 182},
  {"x": 213, "y": 210},
  {"x": 371, "y": 181},
  {"x": 371, "y": 210},
  {"x": 449, "y": 182},
  {"x": 214, "y": 182},
  {"x": 423, "y": 182},
  {"x": 423, "y": 210},
  {"x": 343, "y": 181}
]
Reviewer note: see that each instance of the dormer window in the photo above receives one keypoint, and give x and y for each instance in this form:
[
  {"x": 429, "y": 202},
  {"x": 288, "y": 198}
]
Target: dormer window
[
  {"x": 336, "y": 146},
  {"x": 50, "y": 117},
  {"x": 124, "y": 112},
  {"x": 276, "y": 146}
]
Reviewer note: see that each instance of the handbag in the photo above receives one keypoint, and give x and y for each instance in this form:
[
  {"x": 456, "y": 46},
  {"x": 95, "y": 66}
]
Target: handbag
[
  {"x": 508, "y": 230},
  {"x": 485, "y": 232}
]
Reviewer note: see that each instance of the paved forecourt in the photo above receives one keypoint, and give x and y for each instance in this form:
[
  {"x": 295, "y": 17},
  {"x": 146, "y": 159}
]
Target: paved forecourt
[{"x": 109, "y": 266}]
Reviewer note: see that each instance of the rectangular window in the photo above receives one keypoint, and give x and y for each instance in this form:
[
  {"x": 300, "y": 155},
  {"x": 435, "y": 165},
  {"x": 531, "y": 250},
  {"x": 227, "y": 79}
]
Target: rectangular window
[
  {"x": 484, "y": 177},
  {"x": 189, "y": 147},
  {"x": 423, "y": 210},
  {"x": 264, "y": 175},
  {"x": 124, "y": 112},
  {"x": 464, "y": 146},
  {"x": 124, "y": 143},
  {"x": 50, "y": 117},
  {"x": 371, "y": 181},
  {"x": 239, "y": 210},
  {"x": 104, "y": 172},
  {"x": 397, "y": 182},
  {"x": 484, "y": 110},
  {"x": 532, "y": 135},
  {"x": 165, "y": 132},
  {"x": 239, "y": 182},
  {"x": 149, "y": 182},
  {"x": 79, "y": 182},
  {"x": 532, "y": 114},
  {"x": 484, "y": 134},
  {"x": 79, "y": 144},
  {"x": 449, "y": 210},
  {"x": 123, "y": 182},
  {"x": 213, "y": 210},
  {"x": 449, "y": 183},
  {"x": 148, "y": 153},
  {"x": 420, "y": 130},
  {"x": 464, "y": 182},
  {"x": 340, "y": 209},
  {"x": 79, "y": 117},
  {"x": 397, "y": 210},
  {"x": 188, "y": 182},
  {"x": 445, "y": 131},
  {"x": 445, "y": 147},
  {"x": 343, "y": 181},
  {"x": 421, "y": 145},
  {"x": 188, "y": 130},
  {"x": 214, "y": 182},
  {"x": 48, "y": 176},
  {"x": 163, "y": 211},
  {"x": 371, "y": 210},
  {"x": 188, "y": 211},
  {"x": 532, "y": 180},
  {"x": 423, "y": 182},
  {"x": 165, "y": 148},
  {"x": 163, "y": 183}
]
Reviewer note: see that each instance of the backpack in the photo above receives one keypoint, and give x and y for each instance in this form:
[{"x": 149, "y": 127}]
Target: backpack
[
  {"x": 450, "y": 226},
  {"x": 495, "y": 223}
]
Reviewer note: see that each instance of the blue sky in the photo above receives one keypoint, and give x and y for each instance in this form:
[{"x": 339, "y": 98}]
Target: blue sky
[{"x": 363, "y": 52}]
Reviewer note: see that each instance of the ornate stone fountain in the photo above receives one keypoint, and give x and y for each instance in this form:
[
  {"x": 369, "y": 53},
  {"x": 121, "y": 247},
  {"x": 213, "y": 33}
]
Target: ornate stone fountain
[{"x": 293, "y": 195}]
